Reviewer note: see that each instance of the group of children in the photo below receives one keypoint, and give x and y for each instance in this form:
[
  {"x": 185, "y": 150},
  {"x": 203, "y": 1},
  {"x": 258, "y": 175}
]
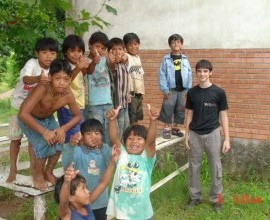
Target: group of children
[{"x": 98, "y": 100}]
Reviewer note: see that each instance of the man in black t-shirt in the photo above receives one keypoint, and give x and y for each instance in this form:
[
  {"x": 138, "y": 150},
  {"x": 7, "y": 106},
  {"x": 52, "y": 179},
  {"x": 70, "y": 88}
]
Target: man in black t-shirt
[{"x": 205, "y": 104}]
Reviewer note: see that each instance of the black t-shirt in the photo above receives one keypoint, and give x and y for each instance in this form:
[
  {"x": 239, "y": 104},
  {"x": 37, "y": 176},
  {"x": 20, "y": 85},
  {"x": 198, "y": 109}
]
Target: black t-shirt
[
  {"x": 177, "y": 59},
  {"x": 206, "y": 104}
]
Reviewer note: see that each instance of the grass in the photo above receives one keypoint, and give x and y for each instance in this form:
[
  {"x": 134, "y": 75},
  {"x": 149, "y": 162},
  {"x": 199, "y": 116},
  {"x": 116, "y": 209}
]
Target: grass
[
  {"x": 6, "y": 111},
  {"x": 169, "y": 200},
  {"x": 3, "y": 87}
]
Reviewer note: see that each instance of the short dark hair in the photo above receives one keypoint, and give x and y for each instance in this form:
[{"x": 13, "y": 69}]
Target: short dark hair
[
  {"x": 137, "y": 130},
  {"x": 131, "y": 37},
  {"x": 175, "y": 37},
  {"x": 73, "y": 186},
  {"x": 46, "y": 43},
  {"x": 60, "y": 65},
  {"x": 204, "y": 64},
  {"x": 91, "y": 125},
  {"x": 99, "y": 37},
  {"x": 71, "y": 42},
  {"x": 116, "y": 42}
]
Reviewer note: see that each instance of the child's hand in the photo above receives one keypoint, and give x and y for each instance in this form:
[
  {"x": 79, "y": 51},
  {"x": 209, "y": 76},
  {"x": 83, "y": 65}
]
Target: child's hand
[
  {"x": 83, "y": 63},
  {"x": 96, "y": 57},
  {"x": 128, "y": 98},
  {"x": 153, "y": 112},
  {"x": 60, "y": 135},
  {"x": 49, "y": 137},
  {"x": 124, "y": 58},
  {"x": 167, "y": 96},
  {"x": 70, "y": 173},
  {"x": 113, "y": 113},
  {"x": 43, "y": 79},
  {"x": 115, "y": 153},
  {"x": 75, "y": 139},
  {"x": 111, "y": 57}
]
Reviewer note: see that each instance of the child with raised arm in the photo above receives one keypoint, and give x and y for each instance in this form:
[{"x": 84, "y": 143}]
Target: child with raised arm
[
  {"x": 73, "y": 49},
  {"x": 130, "y": 193},
  {"x": 119, "y": 74},
  {"x": 136, "y": 79},
  {"x": 73, "y": 196},
  {"x": 99, "y": 99},
  {"x": 39, "y": 126},
  {"x": 91, "y": 158},
  {"x": 34, "y": 71}
]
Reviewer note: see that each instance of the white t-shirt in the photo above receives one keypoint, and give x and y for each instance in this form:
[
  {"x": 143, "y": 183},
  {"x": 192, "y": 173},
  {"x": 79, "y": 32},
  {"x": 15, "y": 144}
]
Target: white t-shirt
[{"x": 31, "y": 68}]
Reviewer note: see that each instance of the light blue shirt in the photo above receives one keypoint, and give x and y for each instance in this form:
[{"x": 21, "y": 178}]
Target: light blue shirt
[
  {"x": 92, "y": 165},
  {"x": 99, "y": 85},
  {"x": 130, "y": 193}
]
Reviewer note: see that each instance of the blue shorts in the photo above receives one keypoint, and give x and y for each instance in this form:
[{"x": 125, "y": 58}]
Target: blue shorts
[
  {"x": 39, "y": 145},
  {"x": 64, "y": 116}
]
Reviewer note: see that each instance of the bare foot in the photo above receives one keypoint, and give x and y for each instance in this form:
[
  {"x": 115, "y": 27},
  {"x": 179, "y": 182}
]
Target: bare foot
[
  {"x": 11, "y": 176},
  {"x": 40, "y": 183},
  {"x": 50, "y": 178}
]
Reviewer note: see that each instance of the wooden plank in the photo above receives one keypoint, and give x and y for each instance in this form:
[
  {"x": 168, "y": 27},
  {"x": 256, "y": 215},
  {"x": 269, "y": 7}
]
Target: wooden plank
[{"x": 24, "y": 183}]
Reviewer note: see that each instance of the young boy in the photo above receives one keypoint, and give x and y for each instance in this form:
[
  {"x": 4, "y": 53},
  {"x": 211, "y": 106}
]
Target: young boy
[
  {"x": 38, "y": 124},
  {"x": 99, "y": 99},
  {"x": 206, "y": 103},
  {"x": 119, "y": 73},
  {"x": 74, "y": 197},
  {"x": 136, "y": 81},
  {"x": 130, "y": 193},
  {"x": 35, "y": 70},
  {"x": 91, "y": 159},
  {"x": 175, "y": 78},
  {"x": 73, "y": 49}
]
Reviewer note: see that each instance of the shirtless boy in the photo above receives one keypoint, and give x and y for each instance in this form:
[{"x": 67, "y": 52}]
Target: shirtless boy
[{"x": 38, "y": 124}]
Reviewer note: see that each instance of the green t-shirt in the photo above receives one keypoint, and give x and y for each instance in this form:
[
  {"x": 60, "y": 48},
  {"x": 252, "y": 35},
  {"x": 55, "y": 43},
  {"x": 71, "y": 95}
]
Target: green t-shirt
[{"x": 130, "y": 193}]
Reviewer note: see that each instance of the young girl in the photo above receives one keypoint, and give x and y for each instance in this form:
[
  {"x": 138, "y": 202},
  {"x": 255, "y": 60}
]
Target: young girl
[
  {"x": 39, "y": 126},
  {"x": 91, "y": 157},
  {"x": 73, "y": 196},
  {"x": 130, "y": 193},
  {"x": 73, "y": 49}
]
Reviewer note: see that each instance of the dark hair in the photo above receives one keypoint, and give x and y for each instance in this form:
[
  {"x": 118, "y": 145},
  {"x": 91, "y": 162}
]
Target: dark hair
[
  {"x": 204, "y": 64},
  {"x": 46, "y": 43},
  {"x": 73, "y": 186},
  {"x": 131, "y": 37},
  {"x": 175, "y": 37},
  {"x": 91, "y": 125},
  {"x": 71, "y": 42},
  {"x": 60, "y": 65},
  {"x": 115, "y": 42},
  {"x": 99, "y": 37},
  {"x": 137, "y": 130}
]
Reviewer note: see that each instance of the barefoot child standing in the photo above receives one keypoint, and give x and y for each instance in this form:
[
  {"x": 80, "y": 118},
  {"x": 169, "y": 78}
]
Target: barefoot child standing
[{"x": 38, "y": 124}]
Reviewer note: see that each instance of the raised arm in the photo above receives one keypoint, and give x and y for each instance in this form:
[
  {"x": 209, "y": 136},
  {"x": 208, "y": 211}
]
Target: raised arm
[
  {"x": 113, "y": 128},
  {"x": 150, "y": 144},
  {"x": 106, "y": 178},
  {"x": 64, "y": 210}
]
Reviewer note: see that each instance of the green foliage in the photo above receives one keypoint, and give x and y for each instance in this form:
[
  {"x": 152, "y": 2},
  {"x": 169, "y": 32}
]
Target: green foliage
[
  {"x": 5, "y": 111},
  {"x": 22, "y": 22},
  {"x": 12, "y": 71}
]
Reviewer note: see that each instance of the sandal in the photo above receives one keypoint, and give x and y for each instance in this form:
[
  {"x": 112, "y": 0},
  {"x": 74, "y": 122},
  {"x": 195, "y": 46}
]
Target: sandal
[
  {"x": 177, "y": 132},
  {"x": 167, "y": 133}
]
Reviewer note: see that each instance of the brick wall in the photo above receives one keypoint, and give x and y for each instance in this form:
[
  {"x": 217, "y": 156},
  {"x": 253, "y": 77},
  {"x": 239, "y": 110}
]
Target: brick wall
[{"x": 243, "y": 73}]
